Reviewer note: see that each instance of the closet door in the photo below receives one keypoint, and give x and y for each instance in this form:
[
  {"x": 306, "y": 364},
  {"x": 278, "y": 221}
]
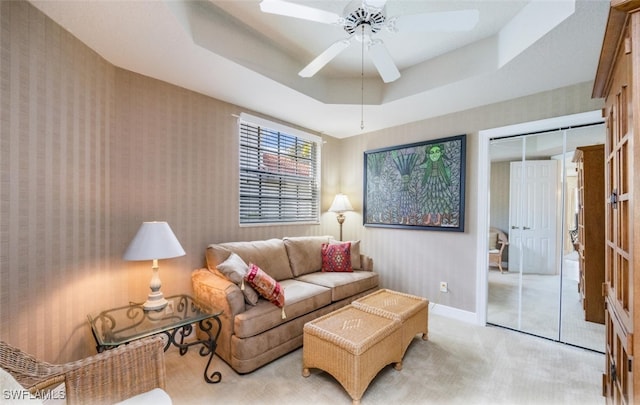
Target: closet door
[
  {"x": 526, "y": 297},
  {"x": 534, "y": 178},
  {"x": 533, "y": 234},
  {"x": 582, "y": 317}
]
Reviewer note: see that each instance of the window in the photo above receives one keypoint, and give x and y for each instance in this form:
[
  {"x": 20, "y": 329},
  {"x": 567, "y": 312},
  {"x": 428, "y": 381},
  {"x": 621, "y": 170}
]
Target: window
[{"x": 279, "y": 175}]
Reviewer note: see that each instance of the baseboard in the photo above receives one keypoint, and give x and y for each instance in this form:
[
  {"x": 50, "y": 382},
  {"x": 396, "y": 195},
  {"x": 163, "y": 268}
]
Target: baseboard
[{"x": 453, "y": 313}]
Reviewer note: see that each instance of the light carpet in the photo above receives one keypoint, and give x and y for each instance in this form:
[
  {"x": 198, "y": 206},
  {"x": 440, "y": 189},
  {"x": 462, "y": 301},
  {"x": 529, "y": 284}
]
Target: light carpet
[
  {"x": 541, "y": 308},
  {"x": 459, "y": 364}
]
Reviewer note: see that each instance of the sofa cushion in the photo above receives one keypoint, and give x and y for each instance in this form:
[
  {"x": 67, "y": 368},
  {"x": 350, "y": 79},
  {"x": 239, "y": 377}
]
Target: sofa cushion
[
  {"x": 265, "y": 285},
  {"x": 216, "y": 255},
  {"x": 234, "y": 269},
  {"x": 270, "y": 255},
  {"x": 336, "y": 257},
  {"x": 343, "y": 285},
  {"x": 355, "y": 253},
  {"x": 300, "y": 298},
  {"x": 304, "y": 253}
]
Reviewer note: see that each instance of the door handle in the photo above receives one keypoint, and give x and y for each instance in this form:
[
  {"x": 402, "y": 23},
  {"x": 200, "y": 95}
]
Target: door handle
[
  {"x": 526, "y": 228},
  {"x": 613, "y": 198},
  {"x": 515, "y": 227}
]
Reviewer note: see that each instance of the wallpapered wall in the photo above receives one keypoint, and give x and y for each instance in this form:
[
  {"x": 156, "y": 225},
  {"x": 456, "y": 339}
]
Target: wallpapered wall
[{"x": 88, "y": 151}]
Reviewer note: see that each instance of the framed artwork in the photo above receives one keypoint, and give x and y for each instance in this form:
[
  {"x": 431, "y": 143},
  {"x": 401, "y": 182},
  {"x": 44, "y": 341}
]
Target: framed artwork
[{"x": 416, "y": 186}]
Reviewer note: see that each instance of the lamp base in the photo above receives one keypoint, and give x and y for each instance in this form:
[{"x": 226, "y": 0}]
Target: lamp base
[
  {"x": 341, "y": 218},
  {"x": 155, "y": 299},
  {"x": 155, "y": 302}
]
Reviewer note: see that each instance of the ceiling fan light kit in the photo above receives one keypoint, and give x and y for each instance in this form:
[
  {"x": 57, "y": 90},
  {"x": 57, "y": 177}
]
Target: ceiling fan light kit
[{"x": 371, "y": 15}]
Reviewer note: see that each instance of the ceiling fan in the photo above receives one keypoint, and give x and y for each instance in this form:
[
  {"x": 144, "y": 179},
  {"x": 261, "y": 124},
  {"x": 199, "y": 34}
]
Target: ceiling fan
[{"x": 362, "y": 19}]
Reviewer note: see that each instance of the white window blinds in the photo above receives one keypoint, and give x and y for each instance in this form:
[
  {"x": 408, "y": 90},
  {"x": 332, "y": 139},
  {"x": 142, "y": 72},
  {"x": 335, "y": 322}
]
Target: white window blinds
[{"x": 279, "y": 173}]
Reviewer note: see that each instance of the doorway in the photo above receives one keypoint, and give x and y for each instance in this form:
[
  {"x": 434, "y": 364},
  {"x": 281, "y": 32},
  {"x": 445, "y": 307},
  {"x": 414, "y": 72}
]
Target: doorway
[{"x": 532, "y": 199}]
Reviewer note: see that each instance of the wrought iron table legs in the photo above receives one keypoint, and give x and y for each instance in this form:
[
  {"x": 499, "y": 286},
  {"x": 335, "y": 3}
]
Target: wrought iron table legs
[{"x": 208, "y": 345}]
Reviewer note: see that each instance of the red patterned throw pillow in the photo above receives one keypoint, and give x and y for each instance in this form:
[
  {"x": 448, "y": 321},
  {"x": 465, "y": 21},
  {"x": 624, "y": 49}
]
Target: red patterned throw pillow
[
  {"x": 336, "y": 257},
  {"x": 266, "y": 286}
]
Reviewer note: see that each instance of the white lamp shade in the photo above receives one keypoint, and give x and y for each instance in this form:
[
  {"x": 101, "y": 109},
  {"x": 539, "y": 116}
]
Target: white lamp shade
[
  {"x": 340, "y": 204},
  {"x": 154, "y": 240}
]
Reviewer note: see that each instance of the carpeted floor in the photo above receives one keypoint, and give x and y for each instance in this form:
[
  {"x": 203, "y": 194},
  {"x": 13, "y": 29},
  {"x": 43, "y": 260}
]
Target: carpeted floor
[
  {"x": 459, "y": 364},
  {"x": 541, "y": 307}
]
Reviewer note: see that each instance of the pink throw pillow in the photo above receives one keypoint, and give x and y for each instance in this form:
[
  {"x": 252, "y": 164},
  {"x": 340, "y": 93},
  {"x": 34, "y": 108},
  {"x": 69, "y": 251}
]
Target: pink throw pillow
[
  {"x": 265, "y": 285},
  {"x": 336, "y": 257}
]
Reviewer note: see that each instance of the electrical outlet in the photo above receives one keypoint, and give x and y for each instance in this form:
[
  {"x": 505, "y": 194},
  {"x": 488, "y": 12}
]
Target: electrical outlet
[{"x": 444, "y": 287}]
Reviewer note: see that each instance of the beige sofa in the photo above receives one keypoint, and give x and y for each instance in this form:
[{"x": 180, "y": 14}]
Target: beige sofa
[{"x": 254, "y": 335}]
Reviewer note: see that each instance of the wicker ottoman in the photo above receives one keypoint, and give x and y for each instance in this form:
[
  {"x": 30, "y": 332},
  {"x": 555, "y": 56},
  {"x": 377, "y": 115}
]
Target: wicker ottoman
[
  {"x": 411, "y": 311},
  {"x": 353, "y": 346}
]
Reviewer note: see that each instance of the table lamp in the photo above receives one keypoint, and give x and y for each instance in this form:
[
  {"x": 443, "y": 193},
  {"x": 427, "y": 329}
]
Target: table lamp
[
  {"x": 154, "y": 240},
  {"x": 340, "y": 205}
]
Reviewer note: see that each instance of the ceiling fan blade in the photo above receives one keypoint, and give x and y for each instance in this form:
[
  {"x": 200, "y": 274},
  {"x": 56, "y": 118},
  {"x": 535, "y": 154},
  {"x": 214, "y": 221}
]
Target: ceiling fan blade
[
  {"x": 383, "y": 62},
  {"x": 325, "y": 57},
  {"x": 446, "y": 21},
  {"x": 288, "y": 9}
]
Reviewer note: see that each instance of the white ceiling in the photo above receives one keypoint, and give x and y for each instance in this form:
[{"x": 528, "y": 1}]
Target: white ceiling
[{"x": 232, "y": 51}]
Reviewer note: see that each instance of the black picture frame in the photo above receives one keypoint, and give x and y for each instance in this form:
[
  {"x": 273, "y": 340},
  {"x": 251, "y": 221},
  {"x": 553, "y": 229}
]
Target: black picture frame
[{"x": 417, "y": 186}]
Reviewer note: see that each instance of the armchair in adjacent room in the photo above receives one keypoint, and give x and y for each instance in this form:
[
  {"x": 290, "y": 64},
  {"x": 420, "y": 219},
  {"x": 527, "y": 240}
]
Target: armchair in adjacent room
[
  {"x": 497, "y": 242},
  {"x": 105, "y": 378}
]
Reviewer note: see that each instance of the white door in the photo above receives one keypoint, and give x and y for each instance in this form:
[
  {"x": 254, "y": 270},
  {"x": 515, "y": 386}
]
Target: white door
[{"x": 533, "y": 210}]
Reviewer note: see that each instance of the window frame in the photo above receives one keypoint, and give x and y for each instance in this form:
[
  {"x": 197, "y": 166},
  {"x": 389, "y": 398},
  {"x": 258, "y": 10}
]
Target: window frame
[{"x": 288, "y": 132}]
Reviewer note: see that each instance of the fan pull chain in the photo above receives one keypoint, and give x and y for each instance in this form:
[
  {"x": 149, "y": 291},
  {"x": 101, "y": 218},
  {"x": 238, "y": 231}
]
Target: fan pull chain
[{"x": 362, "y": 83}]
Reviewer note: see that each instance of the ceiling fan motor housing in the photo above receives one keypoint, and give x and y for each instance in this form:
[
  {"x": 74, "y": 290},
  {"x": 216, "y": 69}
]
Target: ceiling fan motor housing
[{"x": 374, "y": 18}]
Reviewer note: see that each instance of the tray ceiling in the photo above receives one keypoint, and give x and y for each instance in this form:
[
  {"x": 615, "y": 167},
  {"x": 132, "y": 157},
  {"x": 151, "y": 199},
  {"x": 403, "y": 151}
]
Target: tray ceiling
[{"x": 232, "y": 51}]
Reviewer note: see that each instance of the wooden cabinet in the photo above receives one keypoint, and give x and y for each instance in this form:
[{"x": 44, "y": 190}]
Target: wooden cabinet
[
  {"x": 590, "y": 242},
  {"x": 617, "y": 81}
]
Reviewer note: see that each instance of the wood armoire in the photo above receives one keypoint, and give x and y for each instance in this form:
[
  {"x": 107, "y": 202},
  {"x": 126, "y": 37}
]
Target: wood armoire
[
  {"x": 618, "y": 82},
  {"x": 590, "y": 241}
]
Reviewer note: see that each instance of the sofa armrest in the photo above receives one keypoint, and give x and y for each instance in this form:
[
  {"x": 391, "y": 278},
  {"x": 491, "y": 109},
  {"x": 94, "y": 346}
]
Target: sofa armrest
[
  {"x": 212, "y": 291},
  {"x": 366, "y": 262}
]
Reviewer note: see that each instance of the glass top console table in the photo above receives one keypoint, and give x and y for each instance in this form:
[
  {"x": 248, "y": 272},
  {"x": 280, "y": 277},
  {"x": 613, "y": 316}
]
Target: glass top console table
[{"x": 117, "y": 326}]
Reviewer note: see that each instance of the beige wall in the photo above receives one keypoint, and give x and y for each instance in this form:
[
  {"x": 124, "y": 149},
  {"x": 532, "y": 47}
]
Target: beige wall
[{"x": 88, "y": 151}]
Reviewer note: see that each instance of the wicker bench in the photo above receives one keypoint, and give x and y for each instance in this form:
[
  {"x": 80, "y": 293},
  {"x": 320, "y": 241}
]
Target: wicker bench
[
  {"x": 353, "y": 346},
  {"x": 410, "y": 310}
]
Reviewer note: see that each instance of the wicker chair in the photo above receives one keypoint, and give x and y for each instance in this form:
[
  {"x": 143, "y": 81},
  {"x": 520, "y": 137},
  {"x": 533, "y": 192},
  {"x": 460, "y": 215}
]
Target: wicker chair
[{"x": 107, "y": 377}]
